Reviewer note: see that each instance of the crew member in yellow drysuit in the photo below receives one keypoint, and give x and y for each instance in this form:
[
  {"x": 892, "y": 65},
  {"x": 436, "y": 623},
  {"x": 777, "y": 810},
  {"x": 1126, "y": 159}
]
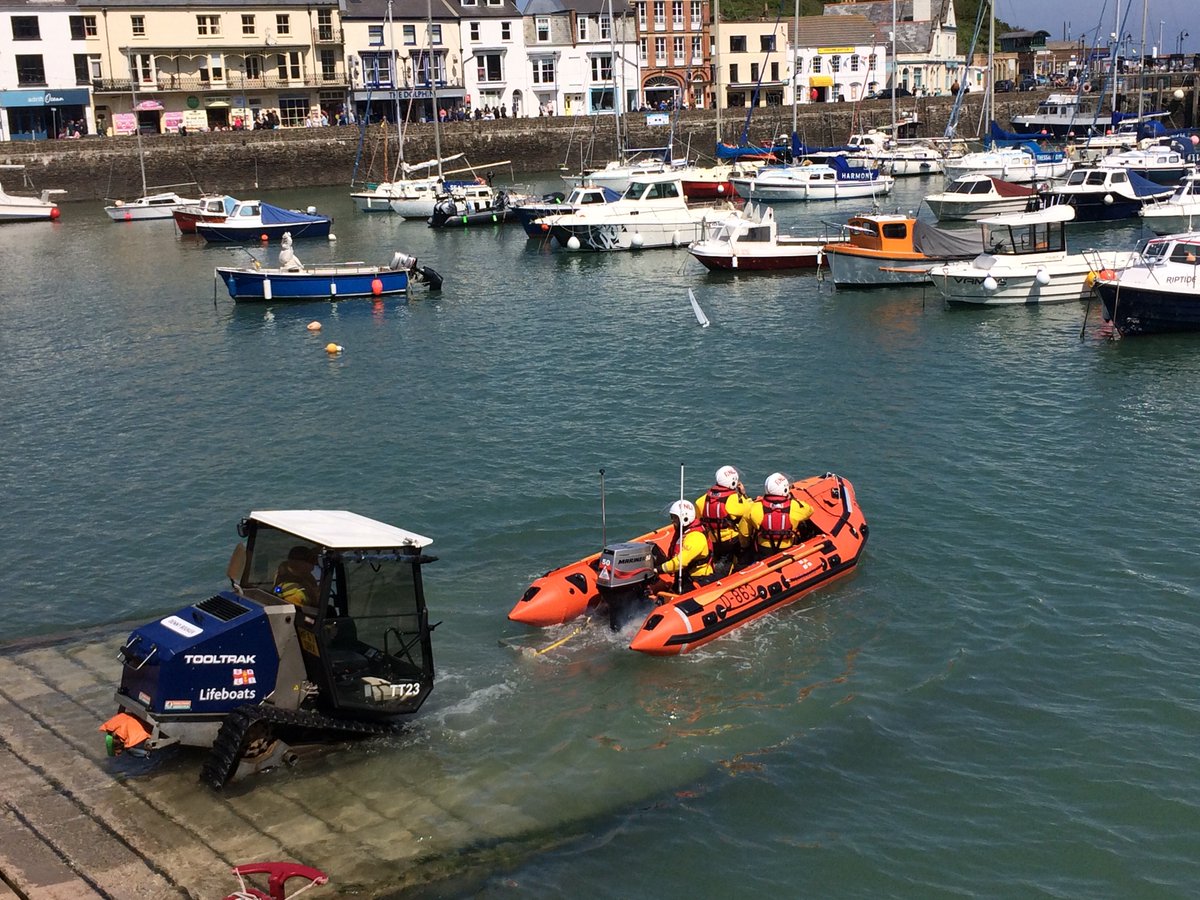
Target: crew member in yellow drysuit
[
  {"x": 776, "y": 516},
  {"x": 724, "y": 512},
  {"x": 690, "y": 551}
]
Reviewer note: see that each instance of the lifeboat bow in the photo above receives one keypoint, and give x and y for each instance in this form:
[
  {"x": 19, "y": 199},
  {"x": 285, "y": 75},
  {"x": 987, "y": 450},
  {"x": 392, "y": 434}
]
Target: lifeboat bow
[{"x": 678, "y": 623}]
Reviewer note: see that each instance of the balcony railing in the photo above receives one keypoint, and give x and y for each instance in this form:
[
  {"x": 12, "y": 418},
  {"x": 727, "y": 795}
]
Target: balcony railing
[
  {"x": 232, "y": 81},
  {"x": 327, "y": 34}
]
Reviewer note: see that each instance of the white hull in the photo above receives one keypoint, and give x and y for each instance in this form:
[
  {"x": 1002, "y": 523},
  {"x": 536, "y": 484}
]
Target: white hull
[
  {"x": 378, "y": 200},
  {"x": 1017, "y": 172},
  {"x": 958, "y": 210},
  {"x": 25, "y": 209},
  {"x": 801, "y": 188},
  {"x": 155, "y": 206},
  {"x": 630, "y": 234},
  {"x": 1067, "y": 279},
  {"x": 909, "y": 165},
  {"x": 850, "y": 269}
]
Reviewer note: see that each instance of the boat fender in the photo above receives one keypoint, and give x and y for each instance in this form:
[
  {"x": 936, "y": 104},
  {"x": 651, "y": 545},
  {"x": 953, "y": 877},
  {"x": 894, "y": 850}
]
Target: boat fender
[{"x": 1087, "y": 87}]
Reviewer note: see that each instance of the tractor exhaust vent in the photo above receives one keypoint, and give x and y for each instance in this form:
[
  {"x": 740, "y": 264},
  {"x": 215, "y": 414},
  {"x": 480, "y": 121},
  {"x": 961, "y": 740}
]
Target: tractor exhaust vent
[{"x": 221, "y": 608}]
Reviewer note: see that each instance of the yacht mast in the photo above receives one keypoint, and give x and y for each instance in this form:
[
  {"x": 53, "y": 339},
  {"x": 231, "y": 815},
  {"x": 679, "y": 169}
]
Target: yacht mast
[
  {"x": 895, "y": 70},
  {"x": 395, "y": 89},
  {"x": 716, "y": 58},
  {"x": 795, "y": 120},
  {"x": 437, "y": 123},
  {"x": 137, "y": 122}
]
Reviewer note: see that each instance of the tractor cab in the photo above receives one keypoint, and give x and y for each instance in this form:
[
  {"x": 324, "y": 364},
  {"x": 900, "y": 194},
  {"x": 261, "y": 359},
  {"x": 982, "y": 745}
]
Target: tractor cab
[{"x": 362, "y": 626}]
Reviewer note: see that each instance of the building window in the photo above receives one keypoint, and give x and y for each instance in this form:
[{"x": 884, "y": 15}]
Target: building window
[
  {"x": 766, "y": 42},
  {"x": 283, "y": 23},
  {"x": 679, "y": 57},
  {"x": 733, "y": 74},
  {"x": 25, "y": 28},
  {"x": 30, "y": 70},
  {"x": 641, "y": 11},
  {"x": 137, "y": 24},
  {"x": 543, "y": 70},
  {"x": 248, "y": 26},
  {"x": 541, "y": 26},
  {"x": 377, "y": 69},
  {"x": 495, "y": 2},
  {"x": 835, "y": 64},
  {"x": 774, "y": 71},
  {"x": 288, "y": 66},
  {"x": 660, "y": 14},
  {"x": 83, "y": 69},
  {"x": 328, "y": 64},
  {"x": 83, "y": 27},
  {"x": 737, "y": 43},
  {"x": 697, "y": 52},
  {"x": 475, "y": 31},
  {"x": 697, "y": 8},
  {"x": 410, "y": 35},
  {"x": 253, "y": 68},
  {"x": 644, "y": 51},
  {"x": 660, "y": 51},
  {"x": 470, "y": 2},
  {"x": 208, "y": 26},
  {"x": 489, "y": 68},
  {"x": 754, "y": 72},
  {"x": 293, "y": 111},
  {"x": 375, "y": 35},
  {"x": 677, "y": 14},
  {"x": 324, "y": 25},
  {"x": 435, "y": 34},
  {"x": 583, "y": 28},
  {"x": 602, "y": 69},
  {"x": 605, "y": 28},
  {"x": 212, "y": 68},
  {"x": 141, "y": 67},
  {"x": 816, "y": 66},
  {"x": 854, "y": 63},
  {"x": 872, "y": 60},
  {"x": 505, "y": 31},
  {"x": 421, "y": 68}
]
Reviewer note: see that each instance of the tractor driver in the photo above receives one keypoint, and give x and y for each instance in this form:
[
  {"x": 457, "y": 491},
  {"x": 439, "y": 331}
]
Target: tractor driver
[{"x": 296, "y": 579}]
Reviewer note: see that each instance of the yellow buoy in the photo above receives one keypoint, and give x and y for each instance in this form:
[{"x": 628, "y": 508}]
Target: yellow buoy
[
  {"x": 334, "y": 348},
  {"x": 314, "y": 326}
]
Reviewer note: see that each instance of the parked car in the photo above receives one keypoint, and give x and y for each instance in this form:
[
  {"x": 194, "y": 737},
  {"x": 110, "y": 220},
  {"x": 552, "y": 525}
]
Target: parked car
[
  {"x": 1028, "y": 83},
  {"x": 1004, "y": 85},
  {"x": 886, "y": 93}
]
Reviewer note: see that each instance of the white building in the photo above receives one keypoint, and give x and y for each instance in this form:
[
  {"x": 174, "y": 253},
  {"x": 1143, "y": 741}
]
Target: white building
[
  {"x": 45, "y": 70},
  {"x": 838, "y": 58},
  {"x": 495, "y": 67}
]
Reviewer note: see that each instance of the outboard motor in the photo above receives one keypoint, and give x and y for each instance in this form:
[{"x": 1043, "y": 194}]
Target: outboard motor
[{"x": 622, "y": 577}]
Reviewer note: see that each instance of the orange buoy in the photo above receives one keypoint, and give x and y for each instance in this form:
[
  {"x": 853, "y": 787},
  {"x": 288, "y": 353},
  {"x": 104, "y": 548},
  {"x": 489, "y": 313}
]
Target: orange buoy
[
  {"x": 545, "y": 227},
  {"x": 1108, "y": 275},
  {"x": 264, "y": 238},
  {"x": 314, "y": 326},
  {"x": 376, "y": 286},
  {"x": 55, "y": 213},
  {"x": 332, "y": 348}
]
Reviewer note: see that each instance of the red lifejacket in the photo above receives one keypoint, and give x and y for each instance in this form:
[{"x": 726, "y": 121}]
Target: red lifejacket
[
  {"x": 776, "y": 521},
  {"x": 673, "y": 550},
  {"x": 716, "y": 517}
]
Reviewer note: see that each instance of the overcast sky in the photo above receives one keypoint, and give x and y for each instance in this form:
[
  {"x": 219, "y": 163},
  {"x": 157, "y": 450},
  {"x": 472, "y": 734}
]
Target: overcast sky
[{"x": 1084, "y": 16}]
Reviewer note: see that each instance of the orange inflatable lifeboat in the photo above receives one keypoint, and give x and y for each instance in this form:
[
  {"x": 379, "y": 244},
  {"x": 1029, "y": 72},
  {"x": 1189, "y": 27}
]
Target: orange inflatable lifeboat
[{"x": 677, "y": 623}]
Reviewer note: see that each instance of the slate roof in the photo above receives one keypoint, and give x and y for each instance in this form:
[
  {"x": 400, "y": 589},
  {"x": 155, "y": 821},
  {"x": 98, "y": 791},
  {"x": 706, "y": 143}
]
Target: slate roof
[
  {"x": 911, "y": 37},
  {"x": 416, "y": 10},
  {"x": 835, "y": 31}
]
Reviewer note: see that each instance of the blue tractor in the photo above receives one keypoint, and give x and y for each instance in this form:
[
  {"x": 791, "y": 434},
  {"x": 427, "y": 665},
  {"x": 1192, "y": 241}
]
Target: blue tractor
[{"x": 324, "y": 635}]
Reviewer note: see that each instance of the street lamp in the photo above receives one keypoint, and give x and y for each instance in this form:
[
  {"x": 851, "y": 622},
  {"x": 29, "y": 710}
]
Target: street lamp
[{"x": 1182, "y": 35}]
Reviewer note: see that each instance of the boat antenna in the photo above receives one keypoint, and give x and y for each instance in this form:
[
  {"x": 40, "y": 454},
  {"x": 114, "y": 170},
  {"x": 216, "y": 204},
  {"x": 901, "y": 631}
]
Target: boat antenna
[{"x": 603, "y": 519}]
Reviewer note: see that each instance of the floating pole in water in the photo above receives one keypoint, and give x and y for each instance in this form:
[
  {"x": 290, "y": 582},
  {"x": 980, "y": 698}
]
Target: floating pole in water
[{"x": 700, "y": 316}]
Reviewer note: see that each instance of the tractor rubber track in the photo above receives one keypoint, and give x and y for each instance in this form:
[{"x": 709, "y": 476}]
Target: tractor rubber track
[{"x": 227, "y": 749}]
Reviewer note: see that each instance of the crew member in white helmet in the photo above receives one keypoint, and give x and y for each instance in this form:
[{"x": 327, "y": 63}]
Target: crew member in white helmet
[
  {"x": 689, "y": 558},
  {"x": 776, "y": 516},
  {"x": 724, "y": 512}
]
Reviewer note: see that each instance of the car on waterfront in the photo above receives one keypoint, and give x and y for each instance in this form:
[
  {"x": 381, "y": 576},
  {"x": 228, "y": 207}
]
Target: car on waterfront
[
  {"x": 1004, "y": 85},
  {"x": 1028, "y": 83},
  {"x": 886, "y": 93}
]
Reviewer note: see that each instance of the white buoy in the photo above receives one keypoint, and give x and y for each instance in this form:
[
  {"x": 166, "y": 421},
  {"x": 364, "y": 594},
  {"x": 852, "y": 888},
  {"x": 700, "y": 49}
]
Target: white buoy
[
  {"x": 332, "y": 236},
  {"x": 1108, "y": 199},
  {"x": 572, "y": 243},
  {"x": 1042, "y": 277},
  {"x": 333, "y": 289},
  {"x": 636, "y": 241},
  {"x": 989, "y": 283},
  {"x": 266, "y": 288},
  {"x": 675, "y": 239},
  {"x": 312, "y": 210}
]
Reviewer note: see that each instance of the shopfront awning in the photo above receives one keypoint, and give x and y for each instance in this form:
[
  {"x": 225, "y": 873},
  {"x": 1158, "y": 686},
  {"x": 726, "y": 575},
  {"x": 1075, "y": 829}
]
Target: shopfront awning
[{"x": 820, "y": 81}]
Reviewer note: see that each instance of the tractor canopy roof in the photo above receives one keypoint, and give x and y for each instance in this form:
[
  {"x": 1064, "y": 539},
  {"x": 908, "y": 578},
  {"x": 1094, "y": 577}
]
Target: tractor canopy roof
[{"x": 339, "y": 529}]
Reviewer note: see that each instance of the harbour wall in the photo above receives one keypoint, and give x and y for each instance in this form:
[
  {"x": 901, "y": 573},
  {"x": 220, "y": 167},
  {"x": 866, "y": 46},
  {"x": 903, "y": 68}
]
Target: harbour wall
[{"x": 238, "y": 162}]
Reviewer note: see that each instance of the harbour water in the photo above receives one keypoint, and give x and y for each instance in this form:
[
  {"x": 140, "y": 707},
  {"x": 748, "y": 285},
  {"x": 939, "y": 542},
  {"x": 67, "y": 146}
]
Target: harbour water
[{"x": 1004, "y": 701}]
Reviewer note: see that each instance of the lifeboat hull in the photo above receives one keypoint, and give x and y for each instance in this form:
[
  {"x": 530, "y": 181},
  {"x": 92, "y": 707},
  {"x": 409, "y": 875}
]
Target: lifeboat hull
[{"x": 682, "y": 622}]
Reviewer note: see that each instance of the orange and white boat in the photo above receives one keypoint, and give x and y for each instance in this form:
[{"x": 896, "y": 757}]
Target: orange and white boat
[{"x": 622, "y": 574}]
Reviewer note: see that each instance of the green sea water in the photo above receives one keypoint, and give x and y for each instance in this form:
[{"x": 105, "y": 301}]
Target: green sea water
[{"x": 1002, "y": 702}]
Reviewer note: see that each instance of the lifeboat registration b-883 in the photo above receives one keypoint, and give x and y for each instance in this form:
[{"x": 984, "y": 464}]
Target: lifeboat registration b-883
[{"x": 833, "y": 540}]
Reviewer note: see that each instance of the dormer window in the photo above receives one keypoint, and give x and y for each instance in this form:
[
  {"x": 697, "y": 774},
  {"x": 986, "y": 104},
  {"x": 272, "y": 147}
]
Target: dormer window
[{"x": 470, "y": 2}]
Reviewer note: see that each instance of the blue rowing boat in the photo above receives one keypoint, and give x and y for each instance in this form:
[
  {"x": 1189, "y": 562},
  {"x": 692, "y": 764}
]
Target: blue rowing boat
[{"x": 328, "y": 282}]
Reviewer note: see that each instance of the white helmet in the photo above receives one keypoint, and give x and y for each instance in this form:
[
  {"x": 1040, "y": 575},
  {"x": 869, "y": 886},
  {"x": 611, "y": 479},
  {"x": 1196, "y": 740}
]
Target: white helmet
[
  {"x": 684, "y": 511},
  {"x": 727, "y": 477},
  {"x": 777, "y": 484}
]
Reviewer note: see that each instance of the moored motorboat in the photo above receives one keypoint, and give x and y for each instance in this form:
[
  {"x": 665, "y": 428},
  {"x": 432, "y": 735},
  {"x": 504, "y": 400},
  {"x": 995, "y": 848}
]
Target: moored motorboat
[
  {"x": 209, "y": 209},
  {"x": 889, "y": 249},
  {"x": 1105, "y": 195},
  {"x": 1025, "y": 262},
  {"x": 1160, "y": 163},
  {"x": 835, "y": 180},
  {"x": 680, "y": 622},
  {"x": 254, "y": 220},
  {"x": 459, "y": 209},
  {"x": 1159, "y": 292},
  {"x": 749, "y": 240},
  {"x": 18, "y": 208},
  {"x": 528, "y": 212},
  {"x": 976, "y": 196},
  {"x": 1178, "y": 213},
  {"x": 336, "y": 281},
  {"x": 1022, "y": 164}
]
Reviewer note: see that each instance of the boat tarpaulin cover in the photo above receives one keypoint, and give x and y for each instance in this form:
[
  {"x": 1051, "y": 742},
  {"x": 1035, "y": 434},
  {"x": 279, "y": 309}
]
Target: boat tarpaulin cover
[
  {"x": 275, "y": 215},
  {"x": 1144, "y": 187},
  {"x": 941, "y": 242},
  {"x": 1008, "y": 189}
]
